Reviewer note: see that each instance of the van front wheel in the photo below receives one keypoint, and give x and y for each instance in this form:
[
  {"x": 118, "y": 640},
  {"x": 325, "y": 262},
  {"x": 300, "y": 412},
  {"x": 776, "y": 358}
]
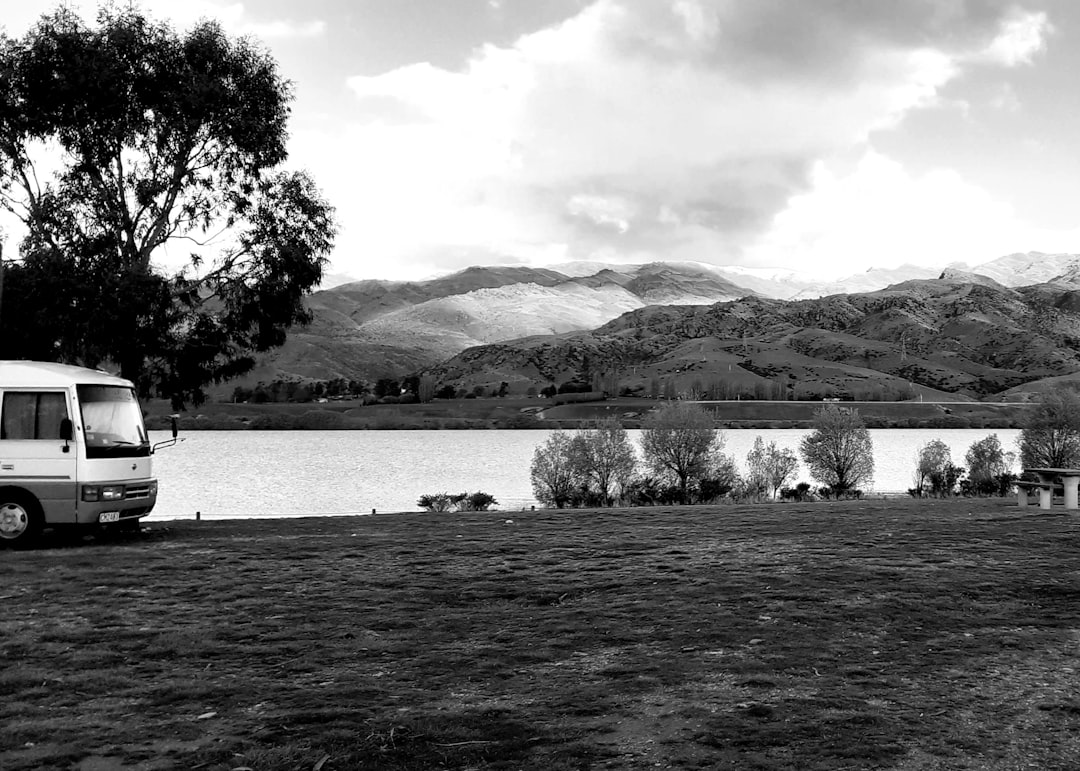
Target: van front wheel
[{"x": 20, "y": 519}]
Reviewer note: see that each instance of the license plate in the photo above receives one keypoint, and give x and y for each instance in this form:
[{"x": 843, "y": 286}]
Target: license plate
[{"x": 109, "y": 516}]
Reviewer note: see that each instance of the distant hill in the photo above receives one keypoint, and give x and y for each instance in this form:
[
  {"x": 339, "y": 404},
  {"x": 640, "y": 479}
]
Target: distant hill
[
  {"x": 1026, "y": 268},
  {"x": 372, "y": 329},
  {"x": 928, "y": 336}
]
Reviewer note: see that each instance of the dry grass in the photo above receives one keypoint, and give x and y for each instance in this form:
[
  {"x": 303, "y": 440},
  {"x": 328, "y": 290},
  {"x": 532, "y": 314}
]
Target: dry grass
[{"x": 897, "y": 635}]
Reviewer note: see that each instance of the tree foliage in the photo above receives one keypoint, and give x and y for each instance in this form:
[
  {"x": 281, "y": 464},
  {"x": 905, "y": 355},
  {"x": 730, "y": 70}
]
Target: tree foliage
[
  {"x": 553, "y": 473},
  {"x": 935, "y": 473},
  {"x": 839, "y": 452},
  {"x": 989, "y": 466},
  {"x": 444, "y": 502},
  {"x": 769, "y": 467},
  {"x": 1051, "y": 438},
  {"x": 603, "y": 460},
  {"x": 169, "y": 149},
  {"x": 679, "y": 440}
]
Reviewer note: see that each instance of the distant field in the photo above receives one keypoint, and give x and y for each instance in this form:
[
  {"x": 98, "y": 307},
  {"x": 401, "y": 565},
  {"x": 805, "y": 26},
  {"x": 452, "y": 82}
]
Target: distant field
[
  {"x": 895, "y": 635},
  {"x": 541, "y": 413}
]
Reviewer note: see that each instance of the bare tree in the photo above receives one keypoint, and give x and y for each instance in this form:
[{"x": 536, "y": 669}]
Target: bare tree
[
  {"x": 679, "y": 439},
  {"x": 839, "y": 452},
  {"x": 769, "y": 468}
]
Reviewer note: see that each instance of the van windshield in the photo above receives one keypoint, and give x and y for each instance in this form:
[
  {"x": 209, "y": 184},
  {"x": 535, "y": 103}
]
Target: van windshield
[{"x": 112, "y": 422}]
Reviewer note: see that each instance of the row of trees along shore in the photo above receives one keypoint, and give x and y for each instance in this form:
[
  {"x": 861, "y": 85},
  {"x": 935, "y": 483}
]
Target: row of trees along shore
[
  {"x": 424, "y": 388},
  {"x": 682, "y": 460}
]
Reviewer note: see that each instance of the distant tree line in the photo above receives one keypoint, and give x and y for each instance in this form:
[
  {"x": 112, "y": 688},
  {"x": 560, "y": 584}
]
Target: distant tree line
[{"x": 408, "y": 390}]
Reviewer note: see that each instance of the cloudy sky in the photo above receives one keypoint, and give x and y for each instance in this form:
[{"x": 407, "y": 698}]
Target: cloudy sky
[{"x": 822, "y": 135}]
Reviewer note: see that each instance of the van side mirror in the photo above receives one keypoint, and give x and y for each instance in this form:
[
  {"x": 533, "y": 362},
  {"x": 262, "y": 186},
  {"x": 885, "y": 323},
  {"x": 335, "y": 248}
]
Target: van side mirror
[{"x": 169, "y": 442}]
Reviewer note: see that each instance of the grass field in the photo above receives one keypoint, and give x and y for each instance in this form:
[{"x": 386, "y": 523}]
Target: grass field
[{"x": 884, "y": 634}]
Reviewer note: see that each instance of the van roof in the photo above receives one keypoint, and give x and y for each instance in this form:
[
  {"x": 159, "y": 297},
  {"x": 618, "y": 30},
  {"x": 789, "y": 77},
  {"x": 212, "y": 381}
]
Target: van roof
[{"x": 38, "y": 374}]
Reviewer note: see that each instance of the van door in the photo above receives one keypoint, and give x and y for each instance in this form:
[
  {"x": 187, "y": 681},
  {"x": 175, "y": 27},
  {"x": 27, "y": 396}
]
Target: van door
[{"x": 32, "y": 454}]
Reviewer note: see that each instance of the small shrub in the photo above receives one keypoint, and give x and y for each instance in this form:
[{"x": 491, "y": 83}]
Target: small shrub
[
  {"x": 439, "y": 502},
  {"x": 443, "y": 502},
  {"x": 650, "y": 491},
  {"x": 477, "y": 501},
  {"x": 800, "y": 492}
]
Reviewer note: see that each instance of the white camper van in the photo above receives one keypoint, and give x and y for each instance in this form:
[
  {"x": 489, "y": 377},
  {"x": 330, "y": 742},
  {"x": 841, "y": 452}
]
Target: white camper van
[{"x": 73, "y": 450}]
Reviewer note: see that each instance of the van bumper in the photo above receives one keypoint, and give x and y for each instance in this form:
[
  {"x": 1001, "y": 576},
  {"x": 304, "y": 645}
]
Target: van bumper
[{"x": 138, "y": 501}]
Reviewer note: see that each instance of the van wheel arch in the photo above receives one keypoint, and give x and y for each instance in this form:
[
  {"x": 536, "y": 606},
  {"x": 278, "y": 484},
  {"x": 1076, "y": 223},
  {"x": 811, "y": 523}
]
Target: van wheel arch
[{"x": 21, "y": 517}]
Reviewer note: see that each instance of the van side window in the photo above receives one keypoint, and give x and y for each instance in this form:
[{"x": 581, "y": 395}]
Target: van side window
[{"x": 32, "y": 415}]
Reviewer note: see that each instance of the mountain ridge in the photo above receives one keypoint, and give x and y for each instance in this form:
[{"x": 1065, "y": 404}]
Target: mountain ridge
[
  {"x": 374, "y": 328},
  {"x": 953, "y": 336}
]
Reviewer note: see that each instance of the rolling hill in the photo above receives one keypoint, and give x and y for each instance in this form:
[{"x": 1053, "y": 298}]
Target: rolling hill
[
  {"x": 929, "y": 337},
  {"x": 374, "y": 329}
]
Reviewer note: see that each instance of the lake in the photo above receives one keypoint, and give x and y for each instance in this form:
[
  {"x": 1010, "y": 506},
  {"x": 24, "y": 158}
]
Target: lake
[{"x": 241, "y": 474}]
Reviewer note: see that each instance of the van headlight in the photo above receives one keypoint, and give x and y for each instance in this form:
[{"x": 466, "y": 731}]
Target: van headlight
[{"x": 94, "y": 493}]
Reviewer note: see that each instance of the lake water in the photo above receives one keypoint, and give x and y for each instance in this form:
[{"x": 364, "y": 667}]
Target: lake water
[{"x": 240, "y": 474}]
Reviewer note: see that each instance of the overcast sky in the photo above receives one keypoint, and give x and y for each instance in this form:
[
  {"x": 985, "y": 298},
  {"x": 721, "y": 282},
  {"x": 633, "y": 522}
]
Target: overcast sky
[{"x": 823, "y": 135}]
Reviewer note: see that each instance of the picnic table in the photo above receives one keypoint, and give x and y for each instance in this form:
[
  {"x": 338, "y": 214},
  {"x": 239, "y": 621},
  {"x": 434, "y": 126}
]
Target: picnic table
[{"x": 1067, "y": 480}]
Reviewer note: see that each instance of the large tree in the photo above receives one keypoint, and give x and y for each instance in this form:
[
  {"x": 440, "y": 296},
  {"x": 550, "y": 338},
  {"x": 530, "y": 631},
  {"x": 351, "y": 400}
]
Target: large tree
[
  {"x": 1051, "y": 437},
  {"x": 989, "y": 466},
  {"x": 554, "y": 475},
  {"x": 604, "y": 459},
  {"x": 839, "y": 452},
  {"x": 679, "y": 440},
  {"x": 163, "y": 235}
]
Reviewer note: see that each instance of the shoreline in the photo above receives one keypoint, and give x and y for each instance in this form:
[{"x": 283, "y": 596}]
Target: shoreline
[
  {"x": 540, "y": 414},
  {"x": 874, "y": 497}
]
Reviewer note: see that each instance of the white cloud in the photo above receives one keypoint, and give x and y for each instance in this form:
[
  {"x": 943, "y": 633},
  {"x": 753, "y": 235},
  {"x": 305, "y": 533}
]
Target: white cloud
[
  {"x": 1022, "y": 36},
  {"x": 654, "y": 129},
  {"x": 622, "y": 117},
  {"x": 879, "y": 215},
  {"x": 612, "y": 212},
  {"x": 672, "y": 152}
]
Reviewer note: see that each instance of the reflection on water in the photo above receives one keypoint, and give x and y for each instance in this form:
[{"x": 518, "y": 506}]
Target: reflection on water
[{"x": 227, "y": 474}]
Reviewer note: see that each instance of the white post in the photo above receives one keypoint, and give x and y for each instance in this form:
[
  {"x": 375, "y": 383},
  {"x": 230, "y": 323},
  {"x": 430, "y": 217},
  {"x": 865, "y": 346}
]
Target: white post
[{"x": 1070, "y": 484}]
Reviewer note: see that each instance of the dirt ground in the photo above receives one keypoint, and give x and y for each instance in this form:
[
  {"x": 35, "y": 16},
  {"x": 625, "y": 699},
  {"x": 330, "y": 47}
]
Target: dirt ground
[{"x": 881, "y": 634}]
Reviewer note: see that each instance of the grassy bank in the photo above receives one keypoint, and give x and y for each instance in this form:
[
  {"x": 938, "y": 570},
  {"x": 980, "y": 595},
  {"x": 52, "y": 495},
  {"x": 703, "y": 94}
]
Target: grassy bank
[
  {"x": 543, "y": 413},
  {"x": 895, "y": 635}
]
